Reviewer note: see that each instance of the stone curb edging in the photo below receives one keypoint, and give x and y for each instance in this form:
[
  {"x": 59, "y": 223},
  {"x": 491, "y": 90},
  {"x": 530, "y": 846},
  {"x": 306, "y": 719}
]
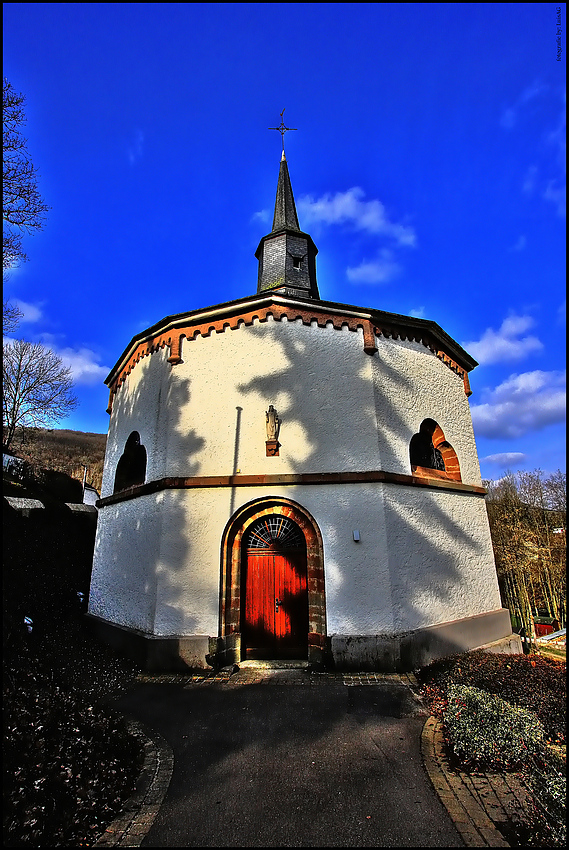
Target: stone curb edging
[
  {"x": 475, "y": 803},
  {"x": 139, "y": 811}
]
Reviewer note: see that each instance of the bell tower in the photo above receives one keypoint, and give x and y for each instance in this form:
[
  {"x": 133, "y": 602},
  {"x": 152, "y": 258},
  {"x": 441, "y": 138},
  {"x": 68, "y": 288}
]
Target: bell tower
[{"x": 287, "y": 256}]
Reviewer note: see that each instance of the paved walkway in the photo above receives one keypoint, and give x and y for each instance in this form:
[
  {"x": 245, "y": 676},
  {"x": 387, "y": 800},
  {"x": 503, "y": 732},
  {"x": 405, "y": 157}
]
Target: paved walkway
[{"x": 232, "y": 761}]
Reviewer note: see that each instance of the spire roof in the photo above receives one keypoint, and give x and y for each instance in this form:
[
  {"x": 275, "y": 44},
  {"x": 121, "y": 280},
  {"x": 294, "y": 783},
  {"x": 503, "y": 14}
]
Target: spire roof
[
  {"x": 287, "y": 256},
  {"x": 285, "y": 217}
]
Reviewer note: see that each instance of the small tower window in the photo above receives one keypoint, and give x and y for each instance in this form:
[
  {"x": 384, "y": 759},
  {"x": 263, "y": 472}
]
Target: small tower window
[
  {"x": 431, "y": 455},
  {"x": 297, "y": 262}
]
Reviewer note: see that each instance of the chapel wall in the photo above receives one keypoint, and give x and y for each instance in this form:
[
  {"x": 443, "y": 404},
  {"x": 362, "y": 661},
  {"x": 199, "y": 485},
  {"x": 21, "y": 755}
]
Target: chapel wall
[
  {"x": 163, "y": 575},
  {"x": 146, "y": 402},
  {"x": 410, "y": 385},
  {"x": 340, "y": 409},
  {"x": 124, "y": 579}
]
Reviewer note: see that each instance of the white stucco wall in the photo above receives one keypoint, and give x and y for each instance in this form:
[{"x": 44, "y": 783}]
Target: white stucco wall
[
  {"x": 340, "y": 408},
  {"x": 424, "y": 556},
  {"x": 412, "y": 384},
  {"x": 157, "y": 560}
]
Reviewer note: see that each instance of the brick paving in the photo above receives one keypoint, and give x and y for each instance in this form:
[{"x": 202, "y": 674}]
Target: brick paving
[{"x": 482, "y": 805}]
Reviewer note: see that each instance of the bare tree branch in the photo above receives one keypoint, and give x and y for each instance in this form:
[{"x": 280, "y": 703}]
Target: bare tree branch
[
  {"x": 23, "y": 209},
  {"x": 11, "y": 316},
  {"x": 37, "y": 387}
]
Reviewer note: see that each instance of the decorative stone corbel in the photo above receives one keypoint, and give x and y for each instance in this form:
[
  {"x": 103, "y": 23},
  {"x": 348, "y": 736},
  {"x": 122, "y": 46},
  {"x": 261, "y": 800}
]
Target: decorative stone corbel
[
  {"x": 369, "y": 337},
  {"x": 175, "y": 350}
]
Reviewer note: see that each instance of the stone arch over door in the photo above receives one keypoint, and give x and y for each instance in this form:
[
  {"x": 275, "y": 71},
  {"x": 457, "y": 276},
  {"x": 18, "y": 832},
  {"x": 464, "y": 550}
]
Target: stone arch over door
[{"x": 232, "y": 567}]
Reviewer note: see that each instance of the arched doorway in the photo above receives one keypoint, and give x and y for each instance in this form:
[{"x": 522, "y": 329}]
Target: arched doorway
[
  {"x": 274, "y": 596},
  {"x": 232, "y": 642}
]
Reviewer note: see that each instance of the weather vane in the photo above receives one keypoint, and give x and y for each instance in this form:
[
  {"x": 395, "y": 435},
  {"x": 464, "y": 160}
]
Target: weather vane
[{"x": 282, "y": 129}]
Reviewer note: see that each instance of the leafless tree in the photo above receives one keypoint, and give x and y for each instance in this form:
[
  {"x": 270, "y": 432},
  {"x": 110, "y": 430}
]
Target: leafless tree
[
  {"x": 11, "y": 316},
  {"x": 23, "y": 209},
  {"x": 37, "y": 387}
]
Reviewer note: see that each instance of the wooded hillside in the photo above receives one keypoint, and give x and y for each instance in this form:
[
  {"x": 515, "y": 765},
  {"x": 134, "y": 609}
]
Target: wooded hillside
[{"x": 64, "y": 451}]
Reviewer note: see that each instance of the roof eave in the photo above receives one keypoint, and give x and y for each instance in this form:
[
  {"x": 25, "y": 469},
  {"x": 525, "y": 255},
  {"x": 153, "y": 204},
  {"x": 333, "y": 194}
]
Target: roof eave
[{"x": 396, "y": 320}]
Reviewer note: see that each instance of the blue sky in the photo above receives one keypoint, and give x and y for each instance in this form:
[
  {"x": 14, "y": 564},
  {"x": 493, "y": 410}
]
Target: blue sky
[{"x": 428, "y": 166}]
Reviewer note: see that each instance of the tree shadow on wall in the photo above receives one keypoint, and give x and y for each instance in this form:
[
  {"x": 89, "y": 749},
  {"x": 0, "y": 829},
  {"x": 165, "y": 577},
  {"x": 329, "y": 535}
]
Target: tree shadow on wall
[
  {"x": 153, "y": 401},
  {"x": 420, "y": 522}
]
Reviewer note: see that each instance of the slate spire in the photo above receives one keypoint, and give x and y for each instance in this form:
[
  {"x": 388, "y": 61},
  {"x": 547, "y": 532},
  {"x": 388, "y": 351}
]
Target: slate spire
[
  {"x": 287, "y": 256},
  {"x": 285, "y": 209}
]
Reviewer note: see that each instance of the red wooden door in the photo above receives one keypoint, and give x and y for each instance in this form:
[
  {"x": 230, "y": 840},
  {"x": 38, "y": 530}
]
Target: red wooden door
[{"x": 275, "y": 622}]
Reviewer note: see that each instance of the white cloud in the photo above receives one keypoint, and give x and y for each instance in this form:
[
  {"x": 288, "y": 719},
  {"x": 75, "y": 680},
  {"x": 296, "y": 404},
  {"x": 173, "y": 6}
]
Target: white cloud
[
  {"x": 530, "y": 179},
  {"x": 350, "y": 208},
  {"x": 562, "y": 313},
  {"x": 84, "y": 366},
  {"x": 82, "y": 362},
  {"x": 557, "y": 194},
  {"x": 523, "y": 403},
  {"x": 520, "y": 244},
  {"x": 31, "y": 312},
  {"x": 505, "y": 459},
  {"x": 506, "y": 343},
  {"x": 419, "y": 313},
  {"x": 557, "y": 138},
  {"x": 263, "y": 216},
  {"x": 135, "y": 150},
  {"x": 380, "y": 270},
  {"x": 509, "y": 117}
]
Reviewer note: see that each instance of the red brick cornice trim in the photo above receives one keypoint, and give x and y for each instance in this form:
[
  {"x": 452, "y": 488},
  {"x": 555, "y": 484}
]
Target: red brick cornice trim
[
  {"x": 173, "y": 337},
  {"x": 208, "y": 481}
]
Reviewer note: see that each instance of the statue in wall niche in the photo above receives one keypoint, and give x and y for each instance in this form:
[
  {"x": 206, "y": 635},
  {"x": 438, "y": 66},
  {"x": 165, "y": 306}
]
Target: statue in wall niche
[{"x": 273, "y": 423}]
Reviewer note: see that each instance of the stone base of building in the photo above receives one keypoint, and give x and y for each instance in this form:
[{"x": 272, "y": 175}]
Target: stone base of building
[
  {"x": 154, "y": 653},
  {"x": 410, "y": 650},
  {"x": 380, "y": 653}
]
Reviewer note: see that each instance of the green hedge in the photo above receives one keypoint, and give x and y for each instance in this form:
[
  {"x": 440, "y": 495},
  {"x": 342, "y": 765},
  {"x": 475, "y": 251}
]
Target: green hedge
[{"x": 484, "y": 730}]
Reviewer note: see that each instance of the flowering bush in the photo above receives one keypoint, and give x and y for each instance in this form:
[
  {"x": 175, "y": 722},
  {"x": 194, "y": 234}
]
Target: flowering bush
[{"x": 483, "y": 729}]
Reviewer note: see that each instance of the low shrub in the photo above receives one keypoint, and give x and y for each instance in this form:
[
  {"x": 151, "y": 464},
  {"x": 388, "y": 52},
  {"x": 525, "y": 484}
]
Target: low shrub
[
  {"x": 67, "y": 768},
  {"x": 69, "y": 762},
  {"x": 549, "y": 790},
  {"x": 528, "y": 681},
  {"x": 484, "y": 730}
]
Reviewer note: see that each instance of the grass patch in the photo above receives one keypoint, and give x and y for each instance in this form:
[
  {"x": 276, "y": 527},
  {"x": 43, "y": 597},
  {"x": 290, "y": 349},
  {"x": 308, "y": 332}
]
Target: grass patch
[{"x": 554, "y": 652}]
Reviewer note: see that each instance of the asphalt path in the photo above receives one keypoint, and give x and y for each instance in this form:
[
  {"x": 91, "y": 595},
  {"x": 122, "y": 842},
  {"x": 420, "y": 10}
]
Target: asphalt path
[{"x": 283, "y": 764}]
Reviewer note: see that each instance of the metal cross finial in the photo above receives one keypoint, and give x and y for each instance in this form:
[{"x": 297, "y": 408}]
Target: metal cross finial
[{"x": 282, "y": 129}]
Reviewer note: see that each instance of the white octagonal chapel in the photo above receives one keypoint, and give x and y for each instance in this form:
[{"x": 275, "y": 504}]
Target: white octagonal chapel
[{"x": 287, "y": 477}]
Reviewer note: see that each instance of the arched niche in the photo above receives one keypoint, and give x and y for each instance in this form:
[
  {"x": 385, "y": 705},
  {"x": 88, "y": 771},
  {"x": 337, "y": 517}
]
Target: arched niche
[
  {"x": 131, "y": 468},
  {"x": 431, "y": 455}
]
